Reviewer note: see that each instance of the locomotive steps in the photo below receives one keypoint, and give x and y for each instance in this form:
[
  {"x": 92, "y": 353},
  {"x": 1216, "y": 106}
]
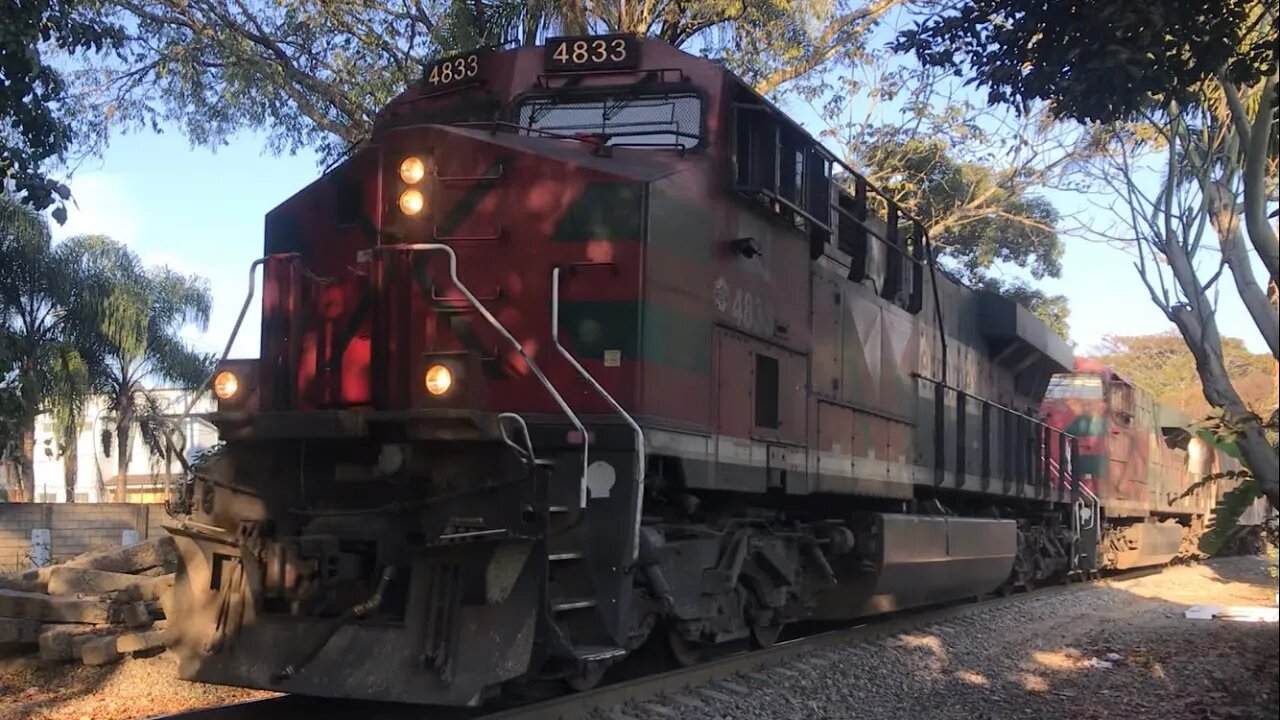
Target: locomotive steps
[{"x": 94, "y": 608}]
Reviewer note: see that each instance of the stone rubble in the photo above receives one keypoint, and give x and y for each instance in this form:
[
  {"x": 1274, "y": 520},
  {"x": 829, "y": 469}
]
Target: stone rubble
[{"x": 95, "y": 608}]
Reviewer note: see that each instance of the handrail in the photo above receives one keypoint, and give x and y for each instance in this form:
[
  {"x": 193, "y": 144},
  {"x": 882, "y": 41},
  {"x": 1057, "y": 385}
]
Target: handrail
[
  {"x": 992, "y": 403},
  {"x": 1094, "y": 510},
  {"x": 226, "y": 352},
  {"x": 527, "y": 450},
  {"x": 506, "y": 335},
  {"x": 1094, "y": 501},
  {"x": 235, "y": 330},
  {"x": 635, "y": 427}
]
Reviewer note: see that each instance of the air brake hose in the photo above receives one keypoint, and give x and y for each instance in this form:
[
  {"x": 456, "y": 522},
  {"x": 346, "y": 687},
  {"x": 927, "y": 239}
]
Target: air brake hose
[{"x": 359, "y": 611}]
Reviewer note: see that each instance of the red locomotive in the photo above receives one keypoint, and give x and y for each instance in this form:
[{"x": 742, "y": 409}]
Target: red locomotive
[{"x": 590, "y": 344}]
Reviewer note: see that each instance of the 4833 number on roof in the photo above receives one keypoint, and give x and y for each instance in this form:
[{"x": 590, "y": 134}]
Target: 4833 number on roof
[
  {"x": 450, "y": 70},
  {"x": 592, "y": 52}
]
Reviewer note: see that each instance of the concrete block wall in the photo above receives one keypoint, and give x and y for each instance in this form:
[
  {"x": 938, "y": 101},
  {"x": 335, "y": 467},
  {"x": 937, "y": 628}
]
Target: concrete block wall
[{"x": 75, "y": 528}]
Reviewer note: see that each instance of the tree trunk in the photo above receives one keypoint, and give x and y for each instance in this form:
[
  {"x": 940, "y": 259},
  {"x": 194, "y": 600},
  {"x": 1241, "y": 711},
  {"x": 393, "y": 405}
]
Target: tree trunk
[
  {"x": 71, "y": 464},
  {"x": 27, "y": 464},
  {"x": 1225, "y": 220},
  {"x": 1259, "y": 456},
  {"x": 124, "y": 448}
]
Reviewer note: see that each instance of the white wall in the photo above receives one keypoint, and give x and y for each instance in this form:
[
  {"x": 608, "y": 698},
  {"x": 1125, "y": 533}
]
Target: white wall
[{"x": 50, "y": 485}]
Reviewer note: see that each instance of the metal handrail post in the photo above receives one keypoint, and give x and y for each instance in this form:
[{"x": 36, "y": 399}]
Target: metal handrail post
[
  {"x": 511, "y": 340},
  {"x": 635, "y": 427}
]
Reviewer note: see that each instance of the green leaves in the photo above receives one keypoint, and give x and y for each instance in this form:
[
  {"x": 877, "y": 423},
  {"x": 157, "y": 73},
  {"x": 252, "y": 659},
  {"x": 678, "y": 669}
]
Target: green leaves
[
  {"x": 33, "y": 130},
  {"x": 1163, "y": 366},
  {"x": 1097, "y": 60},
  {"x": 1226, "y": 517},
  {"x": 311, "y": 74},
  {"x": 86, "y": 316}
]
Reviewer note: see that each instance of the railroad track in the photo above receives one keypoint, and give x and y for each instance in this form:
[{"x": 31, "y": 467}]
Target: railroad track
[{"x": 578, "y": 705}]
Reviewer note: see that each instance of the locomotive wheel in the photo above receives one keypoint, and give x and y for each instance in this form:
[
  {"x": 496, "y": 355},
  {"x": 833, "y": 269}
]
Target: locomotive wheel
[
  {"x": 763, "y": 636},
  {"x": 686, "y": 653},
  {"x": 587, "y": 678}
]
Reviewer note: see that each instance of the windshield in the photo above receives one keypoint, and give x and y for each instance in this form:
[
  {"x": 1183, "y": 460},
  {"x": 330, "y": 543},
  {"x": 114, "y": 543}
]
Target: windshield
[
  {"x": 663, "y": 120},
  {"x": 1075, "y": 386}
]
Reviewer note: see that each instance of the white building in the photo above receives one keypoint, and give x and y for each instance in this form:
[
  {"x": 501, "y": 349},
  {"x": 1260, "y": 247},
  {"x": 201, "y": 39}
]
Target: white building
[{"x": 148, "y": 478}]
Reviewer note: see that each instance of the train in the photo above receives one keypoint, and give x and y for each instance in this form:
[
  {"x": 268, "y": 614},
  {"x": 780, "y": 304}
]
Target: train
[{"x": 591, "y": 347}]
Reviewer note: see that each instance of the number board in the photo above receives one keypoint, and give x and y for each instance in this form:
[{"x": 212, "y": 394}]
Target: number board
[
  {"x": 592, "y": 52},
  {"x": 453, "y": 70}
]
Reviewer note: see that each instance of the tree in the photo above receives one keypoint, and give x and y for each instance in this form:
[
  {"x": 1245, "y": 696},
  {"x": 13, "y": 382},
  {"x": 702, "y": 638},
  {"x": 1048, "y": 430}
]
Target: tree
[
  {"x": 46, "y": 311},
  {"x": 312, "y": 73},
  {"x": 138, "y": 315},
  {"x": 10, "y": 423},
  {"x": 1163, "y": 366},
  {"x": 1187, "y": 92},
  {"x": 974, "y": 175},
  {"x": 30, "y": 322},
  {"x": 33, "y": 132}
]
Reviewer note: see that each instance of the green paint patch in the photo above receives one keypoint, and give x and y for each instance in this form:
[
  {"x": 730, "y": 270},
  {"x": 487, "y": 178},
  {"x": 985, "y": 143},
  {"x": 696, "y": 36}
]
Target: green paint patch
[
  {"x": 603, "y": 211},
  {"x": 680, "y": 226},
  {"x": 677, "y": 340},
  {"x": 1095, "y": 465},
  {"x": 1087, "y": 426},
  {"x": 592, "y": 328}
]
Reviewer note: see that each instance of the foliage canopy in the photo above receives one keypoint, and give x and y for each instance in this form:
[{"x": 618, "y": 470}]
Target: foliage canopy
[
  {"x": 1163, "y": 366},
  {"x": 33, "y": 129},
  {"x": 1096, "y": 60}
]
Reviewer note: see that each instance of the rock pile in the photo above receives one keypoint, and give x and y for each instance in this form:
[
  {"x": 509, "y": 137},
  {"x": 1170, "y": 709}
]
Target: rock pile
[{"x": 94, "y": 608}]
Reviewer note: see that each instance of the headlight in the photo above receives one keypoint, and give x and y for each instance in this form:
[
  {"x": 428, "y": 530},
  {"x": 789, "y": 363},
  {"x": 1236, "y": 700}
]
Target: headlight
[
  {"x": 438, "y": 380},
  {"x": 411, "y": 202},
  {"x": 412, "y": 170},
  {"x": 226, "y": 385}
]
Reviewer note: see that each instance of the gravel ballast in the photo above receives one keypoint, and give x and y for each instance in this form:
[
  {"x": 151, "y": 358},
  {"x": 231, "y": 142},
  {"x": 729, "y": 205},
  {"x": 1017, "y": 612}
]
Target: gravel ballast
[
  {"x": 129, "y": 689},
  {"x": 1117, "y": 650}
]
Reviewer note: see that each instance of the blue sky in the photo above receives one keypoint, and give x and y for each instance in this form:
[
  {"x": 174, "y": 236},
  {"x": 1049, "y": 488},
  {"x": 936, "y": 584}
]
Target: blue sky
[{"x": 201, "y": 211}]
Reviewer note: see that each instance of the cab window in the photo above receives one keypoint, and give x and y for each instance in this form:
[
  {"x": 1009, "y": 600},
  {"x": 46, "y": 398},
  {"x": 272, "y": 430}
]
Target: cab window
[
  {"x": 1088, "y": 387},
  {"x": 658, "y": 120}
]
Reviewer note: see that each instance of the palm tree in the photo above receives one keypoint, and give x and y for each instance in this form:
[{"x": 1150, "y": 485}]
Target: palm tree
[
  {"x": 34, "y": 286},
  {"x": 135, "y": 339},
  {"x": 69, "y": 389}
]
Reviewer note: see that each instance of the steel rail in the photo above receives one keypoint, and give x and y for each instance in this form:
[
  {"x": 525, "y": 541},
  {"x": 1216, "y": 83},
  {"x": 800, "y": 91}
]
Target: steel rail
[{"x": 581, "y": 704}]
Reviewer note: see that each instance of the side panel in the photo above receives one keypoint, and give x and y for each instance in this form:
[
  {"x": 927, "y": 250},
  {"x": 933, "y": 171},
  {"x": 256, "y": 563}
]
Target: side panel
[
  {"x": 760, "y": 418},
  {"x": 676, "y": 332},
  {"x": 921, "y": 560}
]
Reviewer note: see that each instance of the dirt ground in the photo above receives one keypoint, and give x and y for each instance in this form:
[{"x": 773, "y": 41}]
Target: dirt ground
[
  {"x": 131, "y": 688},
  {"x": 1118, "y": 650},
  {"x": 1172, "y": 667}
]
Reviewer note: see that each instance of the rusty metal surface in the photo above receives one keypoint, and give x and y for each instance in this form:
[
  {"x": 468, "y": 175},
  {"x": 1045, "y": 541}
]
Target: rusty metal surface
[{"x": 1147, "y": 543}]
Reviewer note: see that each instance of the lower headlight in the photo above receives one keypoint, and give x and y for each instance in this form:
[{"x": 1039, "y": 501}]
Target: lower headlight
[
  {"x": 226, "y": 385},
  {"x": 411, "y": 202},
  {"x": 438, "y": 380}
]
